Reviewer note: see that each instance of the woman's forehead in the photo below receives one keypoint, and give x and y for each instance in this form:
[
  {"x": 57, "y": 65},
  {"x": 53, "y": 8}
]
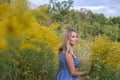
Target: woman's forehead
[{"x": 73, "y": 33}]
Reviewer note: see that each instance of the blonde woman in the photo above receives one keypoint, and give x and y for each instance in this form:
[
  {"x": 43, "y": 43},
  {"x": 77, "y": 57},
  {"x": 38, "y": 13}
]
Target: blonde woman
[{"x": 68, "y": 60}]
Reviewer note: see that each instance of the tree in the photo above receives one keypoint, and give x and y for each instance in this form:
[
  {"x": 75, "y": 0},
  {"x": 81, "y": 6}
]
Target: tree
[{"x": 59, "y": 9}]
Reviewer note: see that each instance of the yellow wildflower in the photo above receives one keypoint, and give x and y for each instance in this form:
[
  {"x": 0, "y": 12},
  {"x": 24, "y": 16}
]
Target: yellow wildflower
[
  {"x": 54, "y": 26},
  {"x": 26, "y": 46}
]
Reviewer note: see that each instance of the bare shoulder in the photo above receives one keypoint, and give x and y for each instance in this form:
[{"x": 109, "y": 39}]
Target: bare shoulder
[{"x": 69, "y": 56}]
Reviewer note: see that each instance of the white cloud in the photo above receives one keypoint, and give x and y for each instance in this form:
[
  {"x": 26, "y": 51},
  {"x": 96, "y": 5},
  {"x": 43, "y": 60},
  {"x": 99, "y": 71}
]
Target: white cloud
[
  {"x": 110, "y": 11},
  {"x": 89, "y": 7},
  {"x": 37, "y": 3}
]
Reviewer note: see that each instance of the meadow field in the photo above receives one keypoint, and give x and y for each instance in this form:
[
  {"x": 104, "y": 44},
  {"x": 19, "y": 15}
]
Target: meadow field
[{"x": 30, "y": 38}]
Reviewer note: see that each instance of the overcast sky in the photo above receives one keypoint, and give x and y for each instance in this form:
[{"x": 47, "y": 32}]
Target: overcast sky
[{"x": 107, "y": 7}]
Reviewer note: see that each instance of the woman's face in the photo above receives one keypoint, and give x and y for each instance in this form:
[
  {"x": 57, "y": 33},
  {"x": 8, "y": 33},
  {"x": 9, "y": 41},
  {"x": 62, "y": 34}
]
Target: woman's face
[{"x": 73, "y": 38}]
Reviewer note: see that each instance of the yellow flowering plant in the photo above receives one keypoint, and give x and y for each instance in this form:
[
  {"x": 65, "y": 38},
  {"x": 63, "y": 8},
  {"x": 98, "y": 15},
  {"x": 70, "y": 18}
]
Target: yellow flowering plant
[
  {"x": 27, "y": 48},
  {"x": 105, "y": 58}
]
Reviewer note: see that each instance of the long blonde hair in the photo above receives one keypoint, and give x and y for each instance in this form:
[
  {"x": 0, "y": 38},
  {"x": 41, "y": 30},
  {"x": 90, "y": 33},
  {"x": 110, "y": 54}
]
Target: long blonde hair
[{"x": 65, "y": 46}]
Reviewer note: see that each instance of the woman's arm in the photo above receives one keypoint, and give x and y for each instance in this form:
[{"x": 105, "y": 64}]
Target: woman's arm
[{"x": 70, "y": 63}]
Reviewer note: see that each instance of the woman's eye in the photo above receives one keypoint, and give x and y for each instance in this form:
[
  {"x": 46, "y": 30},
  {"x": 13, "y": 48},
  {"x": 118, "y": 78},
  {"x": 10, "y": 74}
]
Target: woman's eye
[{"x": 74, "y": 36}]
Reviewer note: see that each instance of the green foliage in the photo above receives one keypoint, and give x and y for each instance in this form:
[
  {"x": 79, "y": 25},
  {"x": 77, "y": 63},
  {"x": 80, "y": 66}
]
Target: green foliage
[
  {"x": 41, "y": 14},
  {"x": 59, "y": 9},
  {"x": 113, "y": 33},
  {"x": 5, "y": 1}
]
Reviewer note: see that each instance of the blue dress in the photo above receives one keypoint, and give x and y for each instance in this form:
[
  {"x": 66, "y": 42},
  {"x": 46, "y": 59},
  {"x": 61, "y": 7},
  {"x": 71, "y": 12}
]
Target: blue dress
[{"x": 64, "y": 73}]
